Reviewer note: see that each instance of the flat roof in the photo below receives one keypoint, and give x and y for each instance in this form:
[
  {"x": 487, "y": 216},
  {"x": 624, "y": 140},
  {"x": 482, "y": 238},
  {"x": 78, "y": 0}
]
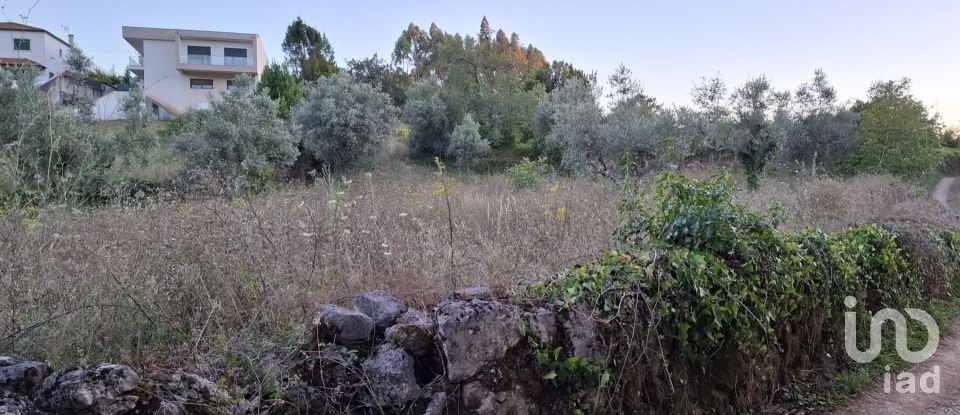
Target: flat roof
[{"x": 135, "y": 35}]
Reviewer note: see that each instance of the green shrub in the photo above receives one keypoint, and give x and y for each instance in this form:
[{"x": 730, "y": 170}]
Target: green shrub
[{"x": 527, "y": 173}]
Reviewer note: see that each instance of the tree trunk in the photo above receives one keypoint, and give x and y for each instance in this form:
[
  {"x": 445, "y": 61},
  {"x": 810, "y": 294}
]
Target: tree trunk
[{"x": 813, "y": 166}]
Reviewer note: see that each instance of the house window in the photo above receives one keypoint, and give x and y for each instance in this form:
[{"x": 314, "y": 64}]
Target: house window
[
  {"x": 234, "y": 57},
  {"x": 21, "y": 44},
  {"x": 201, "y": 84},
  {"x": 230, "y": 85},
  {"x": 198, "y": 55}
]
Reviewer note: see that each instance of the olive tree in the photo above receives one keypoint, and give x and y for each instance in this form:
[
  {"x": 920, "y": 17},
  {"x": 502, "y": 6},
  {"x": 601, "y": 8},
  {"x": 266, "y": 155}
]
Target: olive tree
[
  {"x": 466, "y": 144},
  {"x": 826, "y": 132},
  {"x": 570, "y": 129},
  {"x": 754, "y": 138},
  {"x": 139, "y": 133},
  {"x": 343, "y": 122},
  {"x": 240, "y": 137},
  {"x": 426, "y": 114}
]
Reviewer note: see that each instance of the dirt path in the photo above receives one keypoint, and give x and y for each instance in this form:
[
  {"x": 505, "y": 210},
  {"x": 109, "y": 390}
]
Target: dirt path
[
  {"x": 947, "y": 358},
  {"x": 877, "y": 401},
  {"x": 941, "y": 193}
]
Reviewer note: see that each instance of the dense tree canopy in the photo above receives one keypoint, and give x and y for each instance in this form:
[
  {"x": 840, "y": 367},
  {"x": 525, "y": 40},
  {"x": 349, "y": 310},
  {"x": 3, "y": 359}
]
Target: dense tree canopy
[
  {"x": 897, "y": 133},
  {"x": 491, "y": 75},
  {"x": 390, "y": 78},
  {"x": 281, "y": 86}
]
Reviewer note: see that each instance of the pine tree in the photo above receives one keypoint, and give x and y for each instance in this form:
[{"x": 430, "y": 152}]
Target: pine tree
[
  {"x": 309, "y": 53},
  {"x": 486, "y": 34}
]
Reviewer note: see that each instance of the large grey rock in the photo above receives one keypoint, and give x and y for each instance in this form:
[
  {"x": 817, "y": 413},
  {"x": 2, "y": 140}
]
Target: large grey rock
[
  {"x": 343, "y": 325},
  {"x": 13, "y": 404},
  {"x": 479, "y": 400},
  {"x": 542, "y": 324},
  {"x": 19, "y": 376},
  {"x": 383, "y": 308},
  {"x": 581, "y": 330},
  {"x": 181, "y": 393},
  {"x": 474, "y": 333},
  {"x": 391, "y": 373},
  {"x": 413, "y": 332},
  {"x": 437, "y": 405},
  {"x": 100, "y": 390}
]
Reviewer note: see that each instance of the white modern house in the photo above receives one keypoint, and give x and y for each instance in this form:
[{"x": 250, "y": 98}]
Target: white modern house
[
  {"x": 27, "y": 45},
  {"x": 184, "y": 69}
]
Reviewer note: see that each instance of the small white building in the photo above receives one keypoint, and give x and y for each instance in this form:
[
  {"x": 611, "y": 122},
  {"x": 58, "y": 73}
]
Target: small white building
[
  {"x": 184, "y": 69},
  {"x": 27, "y": 45}
]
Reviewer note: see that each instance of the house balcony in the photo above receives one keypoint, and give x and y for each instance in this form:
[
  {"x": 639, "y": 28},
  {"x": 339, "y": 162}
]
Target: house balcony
[
  {"x": 216, "y": 65},
  {"x": 135, "y": 65}
]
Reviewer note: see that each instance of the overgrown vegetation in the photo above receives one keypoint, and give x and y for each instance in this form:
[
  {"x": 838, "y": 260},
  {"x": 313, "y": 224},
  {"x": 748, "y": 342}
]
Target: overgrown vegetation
[
  {"x": 699, "y": 286},
  {"x": 240, "y": 139}
]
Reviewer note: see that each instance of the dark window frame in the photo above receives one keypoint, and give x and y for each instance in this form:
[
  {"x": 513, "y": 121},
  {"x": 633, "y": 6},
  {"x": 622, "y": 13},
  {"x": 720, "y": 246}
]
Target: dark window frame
[
  {"x": 235, "y": 52},
  {"x": 235, "y": 57},
  {"x": 199, "y": 50},
  {"x": 199, "y": 55},
  {"x": 18, "y": 44},
  {"x": 197, "y": 83}
]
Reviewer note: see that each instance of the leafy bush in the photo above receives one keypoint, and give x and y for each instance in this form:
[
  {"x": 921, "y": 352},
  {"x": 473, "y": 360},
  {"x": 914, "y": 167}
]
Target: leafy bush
[
  {"x": 343, "y": 122},
  {"x": 240, "y": 136},
  {"x": 50, "y": 155},
  {"x": 713, "y": 284},
  {"x": 282, "y": 87},
  {"x": 898, "y": 135},
  {"x": 527, "y": 173},
  {"x": 466, "y": 145},
  {"x": 570, "y": 128},
  {"x": 138, "y": 135}
]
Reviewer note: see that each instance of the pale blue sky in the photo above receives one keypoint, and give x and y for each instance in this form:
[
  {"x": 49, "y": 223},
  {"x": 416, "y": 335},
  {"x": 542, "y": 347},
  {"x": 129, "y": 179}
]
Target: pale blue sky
[{"x": 668, "y": 44}]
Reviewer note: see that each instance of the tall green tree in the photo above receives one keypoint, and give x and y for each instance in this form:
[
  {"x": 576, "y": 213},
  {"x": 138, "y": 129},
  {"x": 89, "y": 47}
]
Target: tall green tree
[
  {"x": 898, "y": 135},
  {"x": 309, "y": 53},
  {"x": 282, "y": 87}
]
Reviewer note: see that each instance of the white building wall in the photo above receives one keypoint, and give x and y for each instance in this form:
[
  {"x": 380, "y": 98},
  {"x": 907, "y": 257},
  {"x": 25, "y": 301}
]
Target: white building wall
[
  {"x": 107, "y": 107},
  {"x": 44, "y": 49},
  {"x": 164, "y": 83}
]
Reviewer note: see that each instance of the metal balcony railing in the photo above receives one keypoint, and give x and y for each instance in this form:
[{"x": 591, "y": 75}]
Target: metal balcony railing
[{"x": 216, "y": 60}]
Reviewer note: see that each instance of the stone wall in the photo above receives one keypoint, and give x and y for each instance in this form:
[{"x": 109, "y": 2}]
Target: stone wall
[{"x": 471, "y": 354}]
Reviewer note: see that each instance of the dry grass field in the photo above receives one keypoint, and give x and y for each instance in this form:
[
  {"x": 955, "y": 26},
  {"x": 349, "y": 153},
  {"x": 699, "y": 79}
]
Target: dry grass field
[{"x": 217, "y": 283}]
